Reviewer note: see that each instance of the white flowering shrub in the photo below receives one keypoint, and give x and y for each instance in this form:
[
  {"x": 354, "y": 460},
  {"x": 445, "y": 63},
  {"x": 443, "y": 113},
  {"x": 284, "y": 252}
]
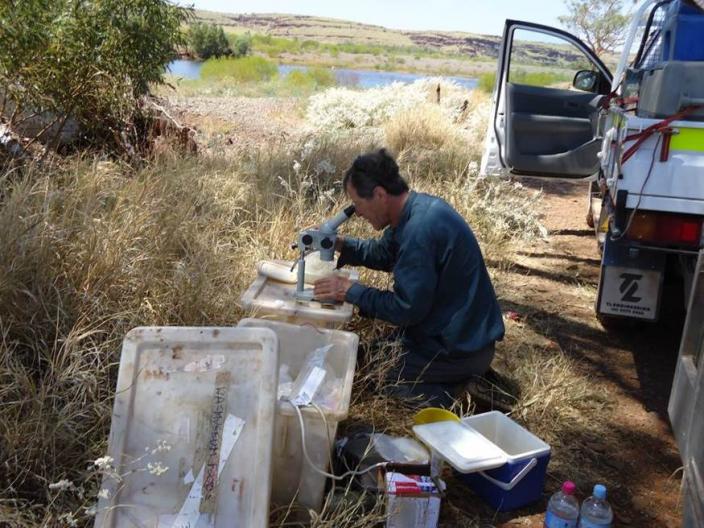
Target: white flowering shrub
[{"x": 345, "y": 108}]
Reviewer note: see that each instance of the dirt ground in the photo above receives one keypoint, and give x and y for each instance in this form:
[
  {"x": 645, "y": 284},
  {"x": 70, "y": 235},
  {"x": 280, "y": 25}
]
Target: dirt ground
[{"x": 636, "y": 365}]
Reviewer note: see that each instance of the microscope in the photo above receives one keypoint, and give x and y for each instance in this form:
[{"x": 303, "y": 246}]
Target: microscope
[{"x": 321, "y": 239}]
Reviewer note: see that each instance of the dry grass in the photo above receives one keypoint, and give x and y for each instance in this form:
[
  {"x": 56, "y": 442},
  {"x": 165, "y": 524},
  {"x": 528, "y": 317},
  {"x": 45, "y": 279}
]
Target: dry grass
[
  {"x": 424, "y": 129},
  {"x": 92, "y": 248}
]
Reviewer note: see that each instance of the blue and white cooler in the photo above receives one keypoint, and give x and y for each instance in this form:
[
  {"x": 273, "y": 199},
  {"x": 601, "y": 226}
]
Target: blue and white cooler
[{"x": 499, "y": 460}]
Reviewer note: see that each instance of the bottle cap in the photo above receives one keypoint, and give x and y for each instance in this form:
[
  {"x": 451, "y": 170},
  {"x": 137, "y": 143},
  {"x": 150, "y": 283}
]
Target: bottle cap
[
  {"x": 568, "y": 488},
  {"x": 599, "y": 491}
]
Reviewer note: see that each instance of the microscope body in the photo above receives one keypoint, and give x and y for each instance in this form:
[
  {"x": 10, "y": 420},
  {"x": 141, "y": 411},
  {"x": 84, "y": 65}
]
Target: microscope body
[{"x": 322, "y": 239}]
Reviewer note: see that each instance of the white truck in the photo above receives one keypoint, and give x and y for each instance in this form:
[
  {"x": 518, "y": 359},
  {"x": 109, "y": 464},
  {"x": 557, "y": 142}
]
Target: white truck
[
  {"x": 636, "y": 135},
  {"x": 686, "y": 406}
]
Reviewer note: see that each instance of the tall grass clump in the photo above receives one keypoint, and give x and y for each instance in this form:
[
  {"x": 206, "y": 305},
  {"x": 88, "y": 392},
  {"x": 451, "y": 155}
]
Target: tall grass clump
[
  {"x": 245, "y": 69},
  {"x": 93, "y": 249},
  {"x": 425, "y": 127},
  {"x": 486, "y": 82}
]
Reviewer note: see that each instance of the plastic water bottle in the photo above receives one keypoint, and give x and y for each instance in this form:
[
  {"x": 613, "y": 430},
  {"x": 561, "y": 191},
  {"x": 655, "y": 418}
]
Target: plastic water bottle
[
  {"x": 596, "y": 512},
  {"x": 563, "y": 508}
]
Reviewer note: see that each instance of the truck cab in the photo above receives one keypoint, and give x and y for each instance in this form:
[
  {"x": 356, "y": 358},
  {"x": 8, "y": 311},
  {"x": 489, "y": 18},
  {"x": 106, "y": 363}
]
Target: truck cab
[{"x": 636, "y": 135}]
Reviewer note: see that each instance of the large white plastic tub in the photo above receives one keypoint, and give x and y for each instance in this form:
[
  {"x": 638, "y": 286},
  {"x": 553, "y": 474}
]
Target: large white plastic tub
[
  {"x": 291, "y": 472},
  {"x": 200, "y": 402},
  {"x": 275, "y": 299}
]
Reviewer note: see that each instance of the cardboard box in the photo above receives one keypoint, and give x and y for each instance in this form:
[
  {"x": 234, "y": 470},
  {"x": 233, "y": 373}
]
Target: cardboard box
[{"x": 413, "y": 501}]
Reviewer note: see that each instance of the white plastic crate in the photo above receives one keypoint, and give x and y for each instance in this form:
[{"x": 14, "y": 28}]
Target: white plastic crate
[
  {"x": 291, "y": 473},
  {"x": 192, "y": 429},
  {"x": 270, "y": 298}
]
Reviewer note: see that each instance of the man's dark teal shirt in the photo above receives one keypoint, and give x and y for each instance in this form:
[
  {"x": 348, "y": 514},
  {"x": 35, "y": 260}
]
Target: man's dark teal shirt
[{"x": 442, "y": 297}]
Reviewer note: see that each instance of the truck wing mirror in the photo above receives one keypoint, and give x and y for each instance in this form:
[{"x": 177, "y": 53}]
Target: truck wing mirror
[{"x": 586, "y": 80}]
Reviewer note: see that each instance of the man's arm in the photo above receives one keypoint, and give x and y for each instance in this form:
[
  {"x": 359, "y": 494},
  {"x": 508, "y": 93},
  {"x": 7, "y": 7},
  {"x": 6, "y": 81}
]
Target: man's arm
[
  {"x": 377, "y": 254},
  {"x": 415, "y": 280}
]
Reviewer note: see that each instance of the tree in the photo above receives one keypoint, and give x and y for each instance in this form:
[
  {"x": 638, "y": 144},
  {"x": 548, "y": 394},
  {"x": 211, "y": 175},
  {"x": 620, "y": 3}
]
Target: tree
[
  {"x": 208, "y": 40},
  {"x": 84, "y": 60},
  {"x": 600, "y": 23},
  {"x": 242, "y": 45}
]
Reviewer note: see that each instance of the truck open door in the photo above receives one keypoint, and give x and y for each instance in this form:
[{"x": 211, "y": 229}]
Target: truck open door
[
  {"x": 686, "y": 407},
  {"x": 544, "y": 123}
]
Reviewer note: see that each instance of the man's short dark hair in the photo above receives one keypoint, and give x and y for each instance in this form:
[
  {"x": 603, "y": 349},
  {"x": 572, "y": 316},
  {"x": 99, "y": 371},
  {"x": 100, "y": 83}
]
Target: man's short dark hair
[{"x": 375, "y": 169}]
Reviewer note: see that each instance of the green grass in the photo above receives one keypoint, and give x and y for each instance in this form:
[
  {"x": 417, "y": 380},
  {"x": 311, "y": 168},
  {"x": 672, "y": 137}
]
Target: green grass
[
  {"x": 276, "y": 46},
  {"x": 539, "y": 78},
  {"x": 309, "y": 81},
  {"x": 246, "y": 69},
  {"x": 249, "y": 78}
]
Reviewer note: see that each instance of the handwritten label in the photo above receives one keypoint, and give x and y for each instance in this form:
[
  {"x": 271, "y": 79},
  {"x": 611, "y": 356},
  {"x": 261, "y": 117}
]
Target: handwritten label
[{"x": 212, "y": 462}]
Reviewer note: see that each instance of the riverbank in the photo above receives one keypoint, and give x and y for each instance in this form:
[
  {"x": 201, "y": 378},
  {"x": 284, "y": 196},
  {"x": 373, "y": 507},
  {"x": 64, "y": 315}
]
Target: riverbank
[{"x": 190, "y": 69}]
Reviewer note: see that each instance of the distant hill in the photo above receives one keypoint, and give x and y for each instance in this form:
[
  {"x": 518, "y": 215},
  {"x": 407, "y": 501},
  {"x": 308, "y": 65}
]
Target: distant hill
[{"x": 335, "y": 31}]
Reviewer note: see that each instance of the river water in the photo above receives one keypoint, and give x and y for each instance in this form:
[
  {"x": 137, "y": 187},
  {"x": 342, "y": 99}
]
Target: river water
[{"x": 189, "y": 69}]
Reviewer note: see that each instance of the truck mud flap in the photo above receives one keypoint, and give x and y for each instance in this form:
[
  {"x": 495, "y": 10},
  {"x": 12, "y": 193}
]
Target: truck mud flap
[{"x": 631, "y": 281}]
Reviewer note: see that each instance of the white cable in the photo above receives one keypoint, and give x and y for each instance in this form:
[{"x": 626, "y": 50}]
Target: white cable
[
  {"x": 327, "y": 430},
  {"x": 317, "y": 469}
]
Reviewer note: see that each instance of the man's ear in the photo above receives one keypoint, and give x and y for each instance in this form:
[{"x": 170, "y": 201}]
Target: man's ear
[{"x": 380, "y": 192}]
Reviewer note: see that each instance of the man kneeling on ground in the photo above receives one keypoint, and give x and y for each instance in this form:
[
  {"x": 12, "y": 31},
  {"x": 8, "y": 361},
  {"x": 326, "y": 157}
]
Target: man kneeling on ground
[{"x": 442, "y": 302}]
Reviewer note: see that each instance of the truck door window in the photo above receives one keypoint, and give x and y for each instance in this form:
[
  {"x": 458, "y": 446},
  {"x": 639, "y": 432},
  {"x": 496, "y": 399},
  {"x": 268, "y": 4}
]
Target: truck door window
[{"x": 544, "y": 60}]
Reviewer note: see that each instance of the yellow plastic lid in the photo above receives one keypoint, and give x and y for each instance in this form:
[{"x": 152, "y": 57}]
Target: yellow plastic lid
[{"x": 434, "y": 414}]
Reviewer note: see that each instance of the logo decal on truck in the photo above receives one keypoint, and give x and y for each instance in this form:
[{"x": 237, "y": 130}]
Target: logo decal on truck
[
  {"x": 630, "y": 292},
  {"x": 629, "y": 285}
]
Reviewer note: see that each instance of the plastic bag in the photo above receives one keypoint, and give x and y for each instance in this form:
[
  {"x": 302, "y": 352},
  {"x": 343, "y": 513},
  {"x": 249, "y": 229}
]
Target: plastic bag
[{"x": 314, "y": 372}]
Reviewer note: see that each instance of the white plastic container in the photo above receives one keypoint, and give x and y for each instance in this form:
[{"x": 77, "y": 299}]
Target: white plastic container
[
  {"x": 291, "y": 472},
  {"x": 192, "y": 429},
  {"x": 501, "y": 461},
  {"x": 274, "y": 299}
]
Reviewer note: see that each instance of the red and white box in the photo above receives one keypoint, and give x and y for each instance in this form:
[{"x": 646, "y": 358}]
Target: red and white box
[{"x": 413, "y": 501}]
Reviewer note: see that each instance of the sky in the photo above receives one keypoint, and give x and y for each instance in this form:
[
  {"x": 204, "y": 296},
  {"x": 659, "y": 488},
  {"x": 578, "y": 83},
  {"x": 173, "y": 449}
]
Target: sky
[{"x": 472, "y": 16}]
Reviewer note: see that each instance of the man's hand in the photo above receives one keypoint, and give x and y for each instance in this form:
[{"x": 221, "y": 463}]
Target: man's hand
[{"x": 333, "y": 288}]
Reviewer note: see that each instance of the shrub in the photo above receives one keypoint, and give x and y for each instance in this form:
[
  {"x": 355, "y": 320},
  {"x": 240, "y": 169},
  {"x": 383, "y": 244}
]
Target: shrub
[
  {"x": 242, "y": 46},
  {"x": 274, "y": 46},
  {"x": 208, "y": 40},
  {"x": 85, "y": 60},
  {"x": 309, "y": 80},
  {"x": 322, "y": 76},
  {"x": 299, "y": 80},
  {"x": 342, "y": 108},
  {"x": 246, "y": 69}
]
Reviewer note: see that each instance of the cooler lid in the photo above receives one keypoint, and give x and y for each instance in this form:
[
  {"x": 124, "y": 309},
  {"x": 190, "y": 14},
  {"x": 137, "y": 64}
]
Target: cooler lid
[
  {"x": 192, "y": 429},
  {"x": 461, "y": 446}
]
